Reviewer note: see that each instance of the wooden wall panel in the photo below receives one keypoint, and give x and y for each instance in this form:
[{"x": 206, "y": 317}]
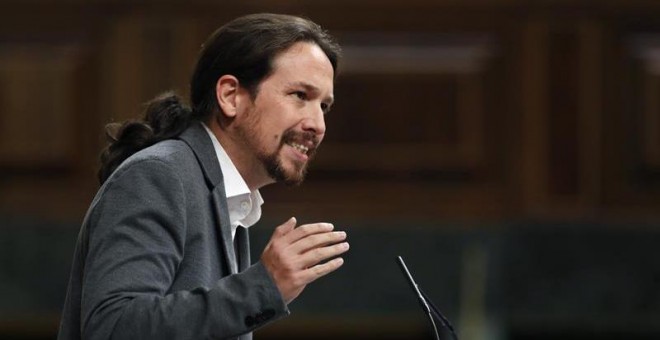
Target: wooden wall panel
[
  {"x": 632, "y": 172},
  {"x": 408, "y": 109},
  {"x": 491, "y": 110},
  {"x": 562, "y": 92},
  {"x": 38, "y": 108},
  {"x": 651, "y": 111},
  {"x": 47, "y": 129},
  {"x": 646, "y": 56},
  {"x": 146, "y": 56}
]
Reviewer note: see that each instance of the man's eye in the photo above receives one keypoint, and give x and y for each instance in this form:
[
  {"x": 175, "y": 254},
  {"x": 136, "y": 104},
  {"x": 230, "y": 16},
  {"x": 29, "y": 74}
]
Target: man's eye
[
  {"x": 301, "y": 95},
  {"x": 325, "y": 107}
]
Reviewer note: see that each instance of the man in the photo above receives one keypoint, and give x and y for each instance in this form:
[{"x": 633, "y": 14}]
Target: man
[{"x": 163, "y": 252}]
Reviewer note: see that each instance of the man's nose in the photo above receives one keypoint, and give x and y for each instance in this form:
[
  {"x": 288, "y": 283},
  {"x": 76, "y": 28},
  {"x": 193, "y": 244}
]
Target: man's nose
[{"x": 315, "y": 122}]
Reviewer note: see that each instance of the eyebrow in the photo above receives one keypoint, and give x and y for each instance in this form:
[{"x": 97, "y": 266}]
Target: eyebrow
[{"x": 309, "y": 87}]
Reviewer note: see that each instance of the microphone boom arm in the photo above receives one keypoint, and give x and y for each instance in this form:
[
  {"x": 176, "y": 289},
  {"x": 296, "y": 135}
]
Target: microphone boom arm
[{"x": 429, "y": 308}]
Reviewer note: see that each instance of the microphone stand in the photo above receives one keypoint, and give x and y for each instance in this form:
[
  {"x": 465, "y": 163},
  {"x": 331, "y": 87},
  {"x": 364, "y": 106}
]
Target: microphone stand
[
  {"x": 429, "y": 308},
  {"x": 445, "y": 322}
]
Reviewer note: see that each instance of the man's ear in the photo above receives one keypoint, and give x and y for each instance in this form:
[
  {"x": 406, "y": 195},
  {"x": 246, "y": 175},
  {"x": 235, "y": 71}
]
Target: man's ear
[{"x": 226, "y": 93}]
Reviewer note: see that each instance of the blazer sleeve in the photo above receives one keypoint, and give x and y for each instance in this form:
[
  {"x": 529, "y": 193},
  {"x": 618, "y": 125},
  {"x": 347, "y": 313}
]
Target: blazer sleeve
[{"x": 136, "y": 240}]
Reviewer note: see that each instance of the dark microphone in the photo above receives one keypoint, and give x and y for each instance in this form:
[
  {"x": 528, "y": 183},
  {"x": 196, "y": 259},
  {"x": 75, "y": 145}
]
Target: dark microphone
[{"x": 429, "y": 308}]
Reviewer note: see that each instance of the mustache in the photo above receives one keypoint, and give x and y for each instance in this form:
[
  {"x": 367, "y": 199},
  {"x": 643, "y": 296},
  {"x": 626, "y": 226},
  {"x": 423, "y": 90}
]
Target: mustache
[{"x": 304, "y": 138}]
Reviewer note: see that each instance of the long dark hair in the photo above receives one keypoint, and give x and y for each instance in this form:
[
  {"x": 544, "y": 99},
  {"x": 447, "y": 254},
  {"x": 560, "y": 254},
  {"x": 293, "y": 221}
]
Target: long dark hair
[{"x": 244, "y": 48}]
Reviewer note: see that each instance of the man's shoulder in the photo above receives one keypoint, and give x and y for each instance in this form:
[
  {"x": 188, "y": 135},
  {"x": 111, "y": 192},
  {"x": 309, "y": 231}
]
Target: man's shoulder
[
  {"x": 170, "y": 150},
  {"x": 172, "y": 154}
]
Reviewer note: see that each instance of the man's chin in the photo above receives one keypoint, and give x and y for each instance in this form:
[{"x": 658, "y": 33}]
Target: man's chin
[
  {"x": 290, "y": 177},
  {"x": 294, "y": 177}
]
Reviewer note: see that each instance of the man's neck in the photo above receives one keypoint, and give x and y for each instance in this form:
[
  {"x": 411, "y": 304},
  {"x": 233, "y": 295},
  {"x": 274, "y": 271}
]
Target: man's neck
[{"x": 250, "y": 168}]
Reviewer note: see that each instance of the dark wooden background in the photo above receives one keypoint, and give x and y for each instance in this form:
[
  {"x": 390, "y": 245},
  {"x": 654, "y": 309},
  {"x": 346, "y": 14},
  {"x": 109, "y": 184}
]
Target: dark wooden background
[{"x": 489, "y": 125}]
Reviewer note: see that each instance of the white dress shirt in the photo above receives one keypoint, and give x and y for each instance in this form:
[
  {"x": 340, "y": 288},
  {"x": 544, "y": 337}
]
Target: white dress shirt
[{"x": 244, "y": 205}]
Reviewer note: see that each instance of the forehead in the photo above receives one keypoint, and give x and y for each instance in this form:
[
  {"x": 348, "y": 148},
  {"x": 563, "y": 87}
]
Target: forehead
[{"x": 304, "y": 62}]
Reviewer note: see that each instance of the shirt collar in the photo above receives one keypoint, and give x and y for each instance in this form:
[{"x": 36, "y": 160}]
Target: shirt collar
[{"x": 237, "y": 191}]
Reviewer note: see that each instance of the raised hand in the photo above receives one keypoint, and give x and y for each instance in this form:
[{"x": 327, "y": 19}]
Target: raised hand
[{"x": 294, "y": 256}]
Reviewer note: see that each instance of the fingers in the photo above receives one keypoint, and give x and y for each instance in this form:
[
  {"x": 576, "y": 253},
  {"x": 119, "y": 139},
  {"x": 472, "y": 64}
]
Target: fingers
[
  {"x": 317, "y": 240},
  {"x": 285, "y": 228},
  {"x": 320, "y": 254},
  {"x": 311, "y": 244},
  {"x": 311, "y": 274},
  {"x": 297, "y": 256},
  {"x": 307, "y": 230}
]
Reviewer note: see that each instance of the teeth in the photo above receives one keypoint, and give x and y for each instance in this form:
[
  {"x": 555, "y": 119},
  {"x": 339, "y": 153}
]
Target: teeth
[{"x": 300, "y": 147}]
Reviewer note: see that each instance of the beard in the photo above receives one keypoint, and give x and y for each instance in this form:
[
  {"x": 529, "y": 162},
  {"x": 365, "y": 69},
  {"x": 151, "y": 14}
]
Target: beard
[{"x": 272, "y": 161}]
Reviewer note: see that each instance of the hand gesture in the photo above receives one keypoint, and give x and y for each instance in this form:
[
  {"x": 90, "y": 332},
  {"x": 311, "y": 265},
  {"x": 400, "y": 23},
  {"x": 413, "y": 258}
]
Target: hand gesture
[{"x": 293, "y": 256}]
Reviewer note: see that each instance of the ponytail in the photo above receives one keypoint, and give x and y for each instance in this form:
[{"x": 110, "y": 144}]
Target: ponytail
[{"x": 165, "y": 117}]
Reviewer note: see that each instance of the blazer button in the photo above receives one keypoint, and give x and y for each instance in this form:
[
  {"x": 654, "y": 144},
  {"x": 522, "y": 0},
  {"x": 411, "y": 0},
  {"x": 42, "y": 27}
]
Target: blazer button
[{"x": 249, "y": 321}]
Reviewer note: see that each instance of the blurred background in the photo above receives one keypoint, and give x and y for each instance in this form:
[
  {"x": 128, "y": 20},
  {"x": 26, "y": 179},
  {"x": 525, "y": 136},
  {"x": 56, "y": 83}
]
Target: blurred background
[{"x": 509, "y": 150}]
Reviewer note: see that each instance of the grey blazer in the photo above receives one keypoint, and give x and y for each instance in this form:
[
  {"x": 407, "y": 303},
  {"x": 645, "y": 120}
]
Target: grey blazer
[{"x": 155, "y": 257}]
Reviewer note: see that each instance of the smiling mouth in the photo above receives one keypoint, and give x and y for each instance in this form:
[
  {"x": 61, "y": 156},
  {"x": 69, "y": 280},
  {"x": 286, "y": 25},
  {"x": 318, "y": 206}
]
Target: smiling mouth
[{"x": 301, "y": 148}]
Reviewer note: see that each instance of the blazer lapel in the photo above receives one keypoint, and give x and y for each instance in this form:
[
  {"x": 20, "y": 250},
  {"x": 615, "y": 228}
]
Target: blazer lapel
[
  {"x": 198, "y": 140},
  {"x": 243, "y": 242},
  {"x": 222, "y": 219}
]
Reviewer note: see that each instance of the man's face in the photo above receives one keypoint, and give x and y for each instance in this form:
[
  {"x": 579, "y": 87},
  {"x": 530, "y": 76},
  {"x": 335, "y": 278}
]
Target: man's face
[{"x": 285, "y": 123}]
